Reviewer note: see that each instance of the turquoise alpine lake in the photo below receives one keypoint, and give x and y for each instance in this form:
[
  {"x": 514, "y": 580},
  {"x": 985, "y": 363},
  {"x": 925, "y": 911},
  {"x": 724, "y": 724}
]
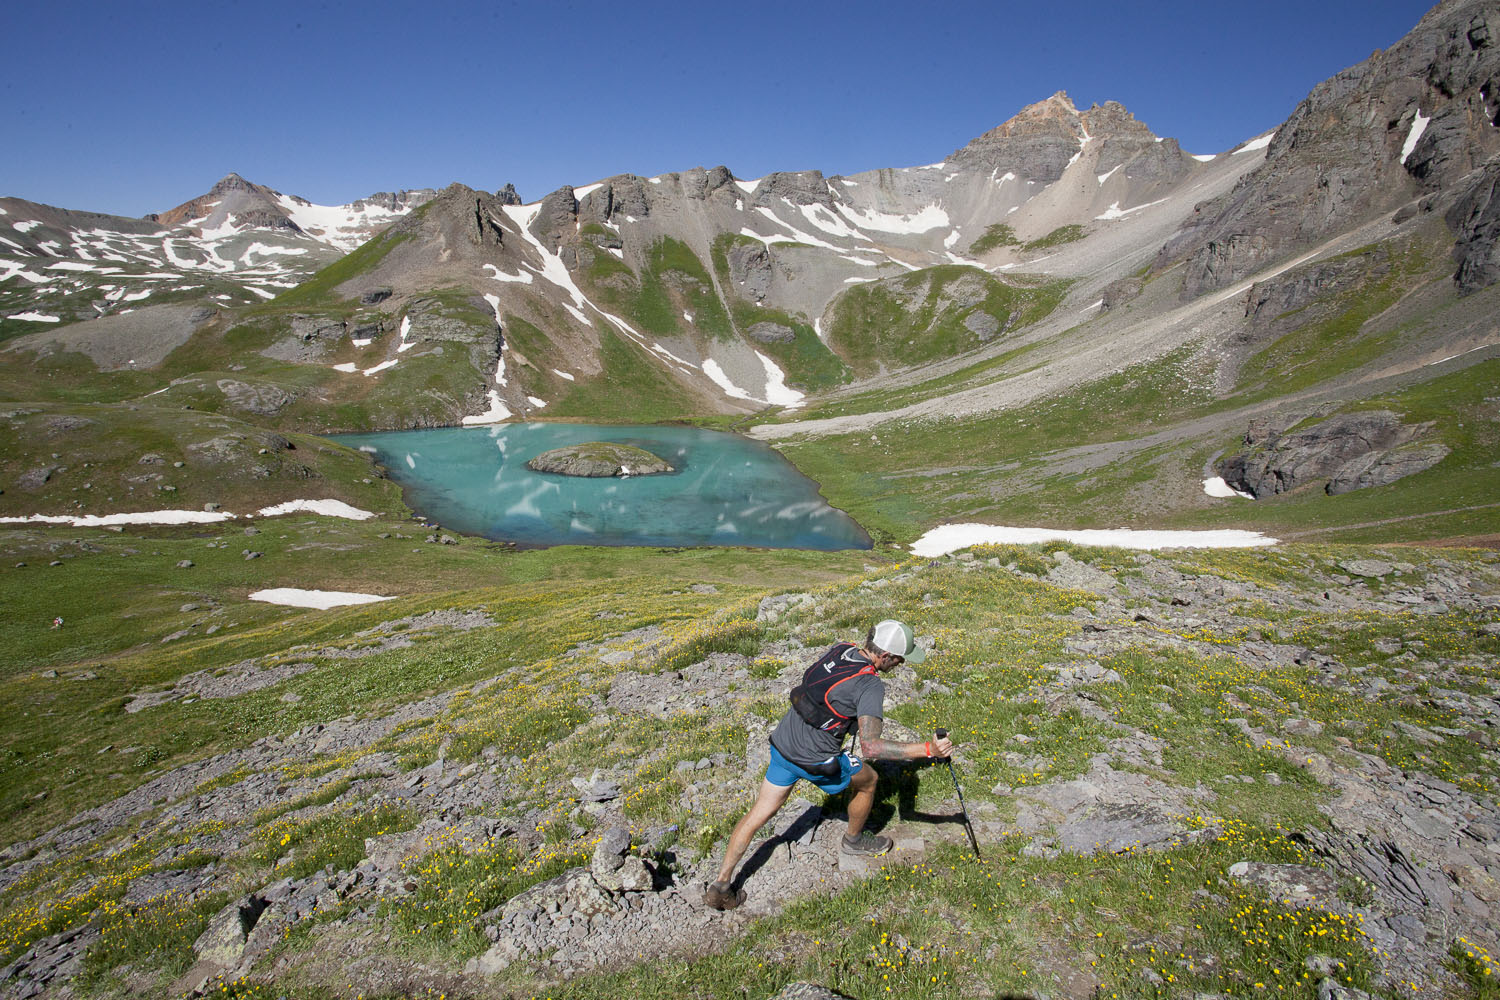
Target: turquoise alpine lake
[{"x": 726, "y": 490}]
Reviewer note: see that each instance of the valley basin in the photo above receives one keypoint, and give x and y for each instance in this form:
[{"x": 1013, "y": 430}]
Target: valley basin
[{"x": 726, "y": 490}]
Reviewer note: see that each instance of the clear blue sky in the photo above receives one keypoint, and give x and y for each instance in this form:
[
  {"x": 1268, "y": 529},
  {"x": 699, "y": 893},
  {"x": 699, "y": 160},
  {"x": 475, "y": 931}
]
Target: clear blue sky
[{"x": 136, "y": 106}]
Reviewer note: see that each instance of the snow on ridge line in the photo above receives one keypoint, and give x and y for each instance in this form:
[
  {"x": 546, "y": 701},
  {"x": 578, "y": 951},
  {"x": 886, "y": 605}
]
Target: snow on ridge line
[
  {"x": 322, "y": 600},
  {"x": 1255, "y": 144},
  {"x": 952, "y": 537}
]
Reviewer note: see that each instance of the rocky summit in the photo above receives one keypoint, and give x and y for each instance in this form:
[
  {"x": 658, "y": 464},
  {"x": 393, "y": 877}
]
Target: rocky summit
[{"x": 270, "y": 726}]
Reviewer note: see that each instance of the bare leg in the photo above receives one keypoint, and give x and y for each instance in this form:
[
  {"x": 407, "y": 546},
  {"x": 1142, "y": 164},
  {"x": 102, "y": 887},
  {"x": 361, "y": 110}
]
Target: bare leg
[
  {"x": 862, "y": 787},
  {"x": 771, "y": 798}
]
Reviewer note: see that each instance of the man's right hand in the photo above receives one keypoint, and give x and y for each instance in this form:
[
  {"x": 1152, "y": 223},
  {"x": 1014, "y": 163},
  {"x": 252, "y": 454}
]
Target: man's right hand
[{"x": 942, "y": 746}]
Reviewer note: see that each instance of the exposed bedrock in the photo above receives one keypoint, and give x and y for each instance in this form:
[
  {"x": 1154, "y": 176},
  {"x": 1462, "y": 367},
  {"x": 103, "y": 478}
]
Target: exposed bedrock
[{"x": 1349, "y": 451}]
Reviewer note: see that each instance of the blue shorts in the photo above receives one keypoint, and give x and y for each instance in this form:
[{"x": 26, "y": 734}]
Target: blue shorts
[{"x": 784, "y": 773}]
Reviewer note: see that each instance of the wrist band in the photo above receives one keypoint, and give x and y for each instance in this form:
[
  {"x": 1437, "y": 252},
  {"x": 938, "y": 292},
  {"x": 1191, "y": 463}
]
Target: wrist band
[{"x": 927, "y": 748}]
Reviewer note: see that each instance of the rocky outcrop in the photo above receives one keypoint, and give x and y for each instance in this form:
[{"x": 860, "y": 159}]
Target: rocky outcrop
[
  {"x": 598, "y": 459},
  {"x": 1475, "y": 217},
  {"x": 260, "y": 399},
  {"x": 311, "y": 338},
  {"x": 1413, "y": 119},
  {"x": 508, "y": 196},
  {"x": 1349, "y": 451},
  {"x": 556, "y": 218},
  {"x": 771, "y": 333},
  {"x": 1269, "y": 301},
  {"x": 806, "y": 187},
  {"x": 622, "y": 195},
  {"x": 750, "y": 269}
]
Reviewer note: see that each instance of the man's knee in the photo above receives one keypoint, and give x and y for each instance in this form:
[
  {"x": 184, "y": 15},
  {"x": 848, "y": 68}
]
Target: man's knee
[{"x": 864, "y": 778}]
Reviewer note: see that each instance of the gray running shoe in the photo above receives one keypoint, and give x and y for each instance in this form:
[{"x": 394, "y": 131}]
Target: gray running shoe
[
  {"x": 866, "y": 843},
  {"x": 722, "y": 896}
]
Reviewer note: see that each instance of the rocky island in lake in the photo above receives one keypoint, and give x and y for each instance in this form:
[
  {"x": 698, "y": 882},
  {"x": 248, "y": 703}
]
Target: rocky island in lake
[{"x": 597, "y": 459}]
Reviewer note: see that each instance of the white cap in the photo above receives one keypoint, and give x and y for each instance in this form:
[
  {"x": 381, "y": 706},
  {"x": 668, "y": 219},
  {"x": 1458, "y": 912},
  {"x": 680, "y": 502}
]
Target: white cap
[{"x": 894, "y": 637}]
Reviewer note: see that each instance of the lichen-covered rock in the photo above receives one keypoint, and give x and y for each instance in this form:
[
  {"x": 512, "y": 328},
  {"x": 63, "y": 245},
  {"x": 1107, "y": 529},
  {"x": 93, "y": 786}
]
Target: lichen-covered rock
[{"x": 598, "y": 459}]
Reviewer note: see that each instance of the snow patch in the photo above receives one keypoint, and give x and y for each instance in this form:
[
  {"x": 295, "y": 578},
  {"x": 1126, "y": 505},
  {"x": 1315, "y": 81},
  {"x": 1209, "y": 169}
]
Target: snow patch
[
  {"x": 1217, "y": 487},
  {"x": 292, "y": 597},
  {"x": 405, "y": 329},
  {"x": 562, "y": 374},
  {"x": 1116, "y": 212},
  {"x": 1107, "y": 176},
  {"x": 831, "y": 224},
  {"x": 748, "y": 186},
  {"x": 1255, "y": 144},
  {"x": 777, "y": 391},
  {"x": 952, "y": 537},
  {"x": 494, "y": 301},
  {"x": 930, "y": 218},
  {"x": 25, "y": 227},
  {"x": 348, "y": 366},
  {"x": 328, "y": 508},
  {"x": 496, "y": 413},
  {"x": 1202, "y": 157},
  {"x": 380, "y": 367},
  {"x": 1418, "y": 126},
  {"x": 524, "y": 277},
  {"x": 538, "y": 403},
  {"x": 140, "y": 517},
  {"x": 712, "y": 370},
  {"x": 35, "y": 317}
]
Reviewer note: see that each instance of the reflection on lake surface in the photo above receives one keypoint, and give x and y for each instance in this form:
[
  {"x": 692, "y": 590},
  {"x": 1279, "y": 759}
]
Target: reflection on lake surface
[{"x": 727, "y": 491}]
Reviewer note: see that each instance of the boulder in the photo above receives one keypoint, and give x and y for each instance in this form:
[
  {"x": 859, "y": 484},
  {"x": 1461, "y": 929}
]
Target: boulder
[
  {"x": 1118, "y": 293},
  {"x": 1350, "y": 450},
  {"x": 772, "y": 333},
  {"x": 982, "y": 325},
  {"x": 597, "y": 459},
  {"x": 223, "y": 941}
]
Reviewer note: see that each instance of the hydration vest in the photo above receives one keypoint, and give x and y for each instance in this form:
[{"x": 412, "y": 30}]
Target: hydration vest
[{"x": 810, "y": 699}]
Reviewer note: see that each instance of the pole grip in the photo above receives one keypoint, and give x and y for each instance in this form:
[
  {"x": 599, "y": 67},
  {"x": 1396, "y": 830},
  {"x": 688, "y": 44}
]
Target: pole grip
[{"x": 941, "y": 733}]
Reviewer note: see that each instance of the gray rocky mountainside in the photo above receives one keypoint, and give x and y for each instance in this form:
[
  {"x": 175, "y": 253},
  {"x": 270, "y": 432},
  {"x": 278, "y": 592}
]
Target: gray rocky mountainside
[{"x": 1414, "y": 125}]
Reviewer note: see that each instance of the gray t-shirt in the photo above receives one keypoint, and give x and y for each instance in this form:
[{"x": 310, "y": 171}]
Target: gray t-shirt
[{"x": 803, "y": 744}]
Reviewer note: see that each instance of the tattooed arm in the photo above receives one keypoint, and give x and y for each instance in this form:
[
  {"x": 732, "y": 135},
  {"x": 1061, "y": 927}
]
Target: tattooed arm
[{"x": 873, "y": 747}]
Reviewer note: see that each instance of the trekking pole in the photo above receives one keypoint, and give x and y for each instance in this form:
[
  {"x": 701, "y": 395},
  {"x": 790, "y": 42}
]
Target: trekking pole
[{"x": 968, "y": 827}]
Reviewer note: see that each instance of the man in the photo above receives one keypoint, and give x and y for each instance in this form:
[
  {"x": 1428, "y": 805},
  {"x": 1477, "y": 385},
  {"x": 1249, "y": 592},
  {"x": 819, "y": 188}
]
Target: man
[{"x": 807, "y": 745}]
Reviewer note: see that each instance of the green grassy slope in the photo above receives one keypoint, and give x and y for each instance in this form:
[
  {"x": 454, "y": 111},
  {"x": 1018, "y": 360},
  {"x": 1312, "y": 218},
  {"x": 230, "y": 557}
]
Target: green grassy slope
[
  {"x": 920, "y": 316},
  {"x": 935, "y": 926}
]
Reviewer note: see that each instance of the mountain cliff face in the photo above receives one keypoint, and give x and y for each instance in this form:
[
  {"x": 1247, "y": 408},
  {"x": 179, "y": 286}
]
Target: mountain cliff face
[{"x": 1412, "y": 123}]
